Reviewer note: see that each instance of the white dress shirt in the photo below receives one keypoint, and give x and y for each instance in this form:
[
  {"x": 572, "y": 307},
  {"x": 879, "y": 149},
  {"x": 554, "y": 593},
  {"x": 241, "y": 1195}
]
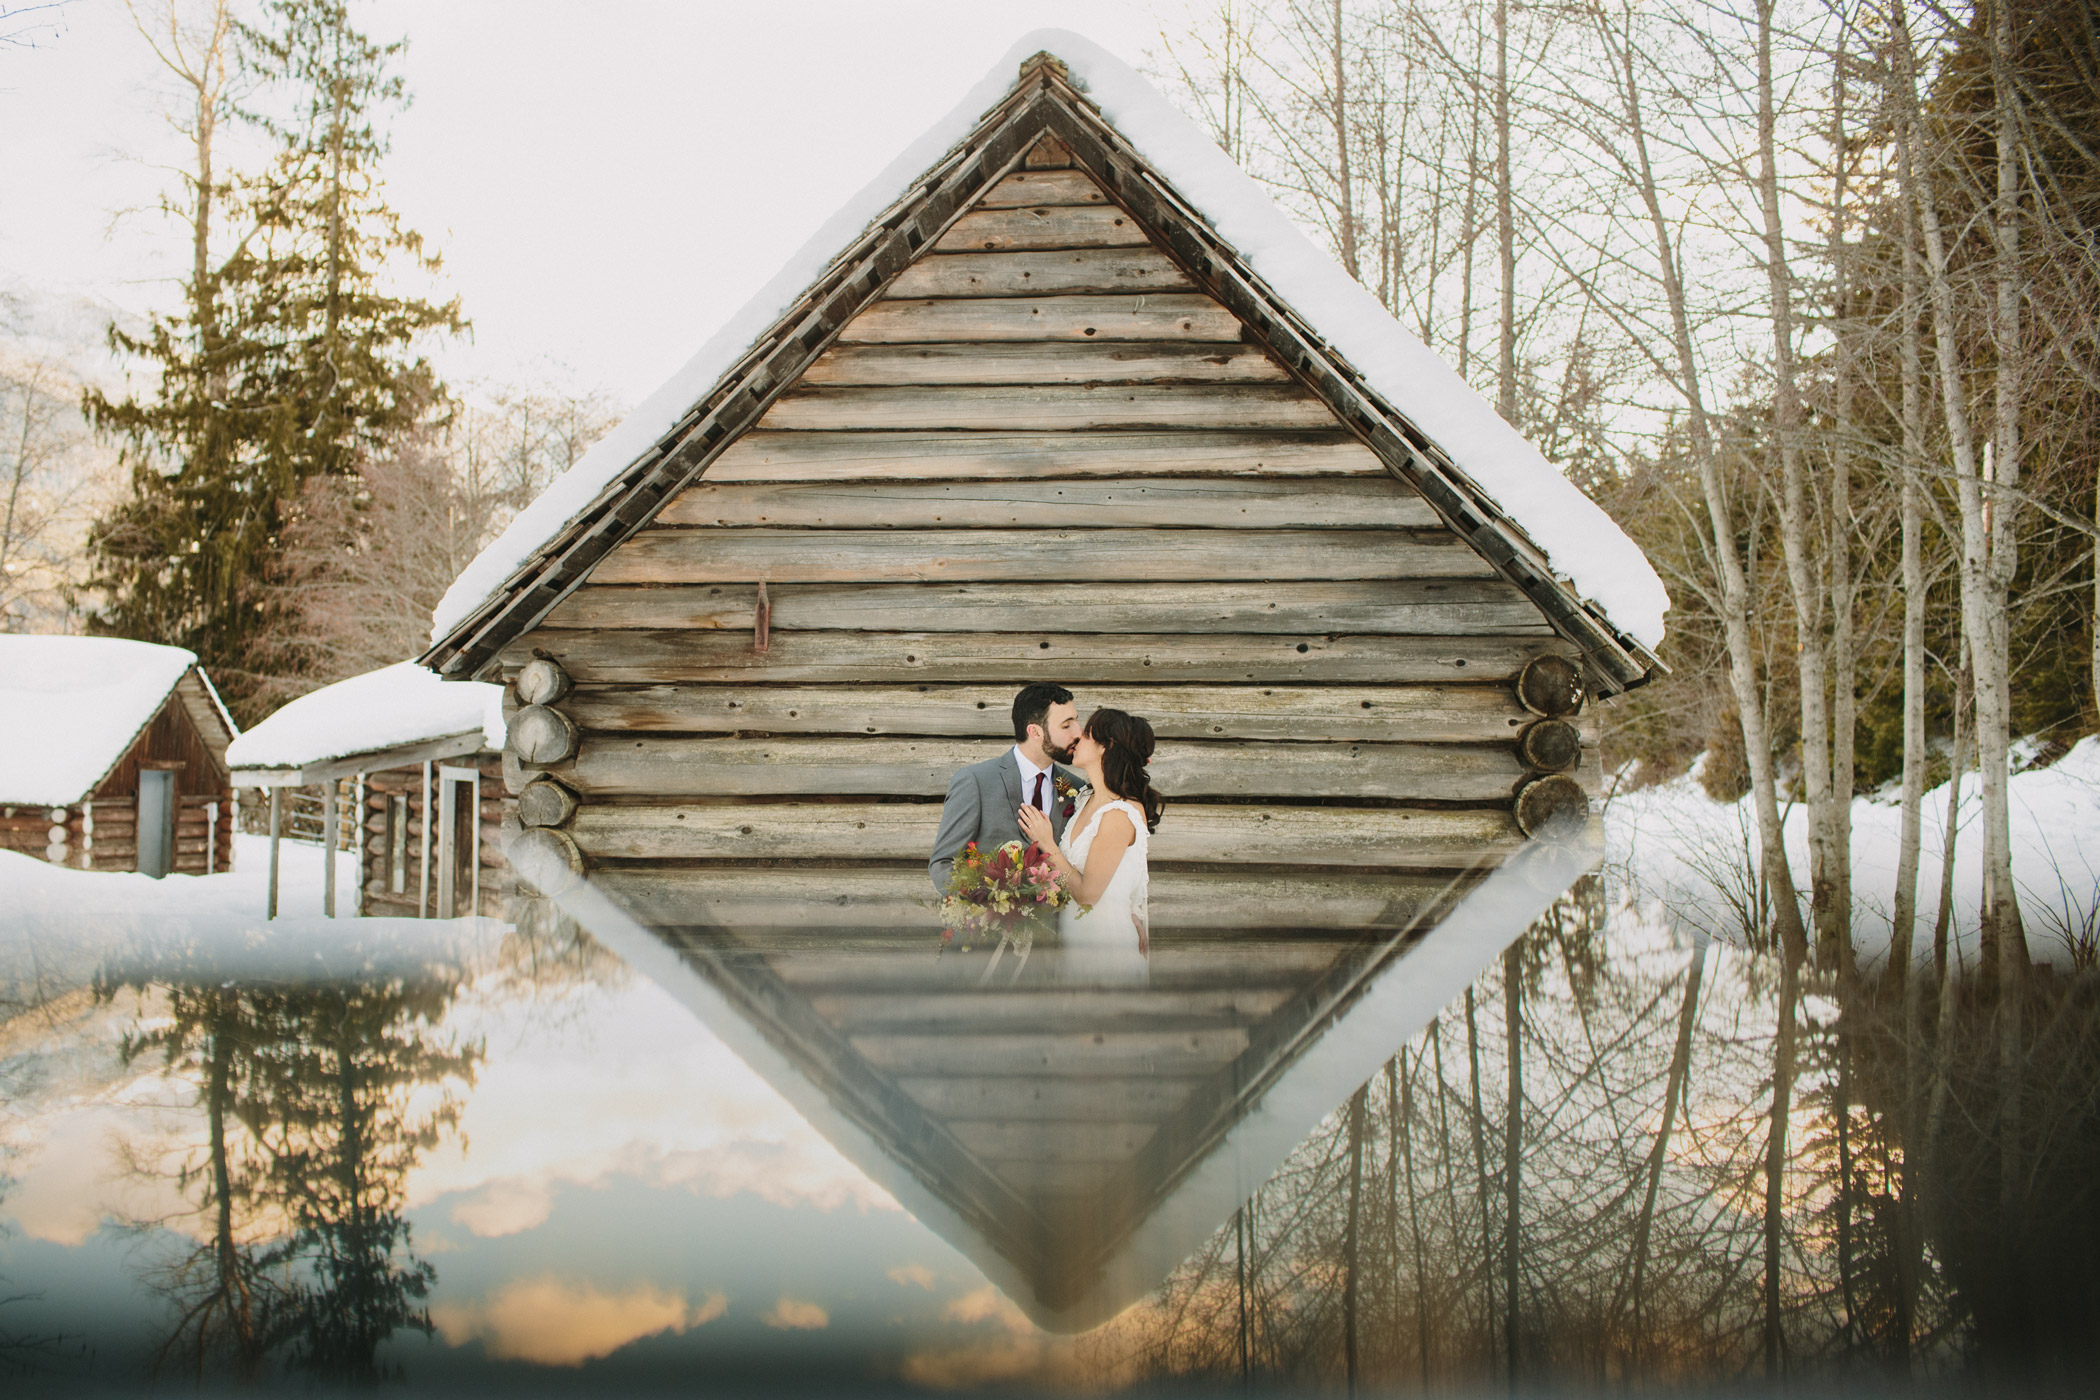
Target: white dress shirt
[{"x": 1028, "y": 772}]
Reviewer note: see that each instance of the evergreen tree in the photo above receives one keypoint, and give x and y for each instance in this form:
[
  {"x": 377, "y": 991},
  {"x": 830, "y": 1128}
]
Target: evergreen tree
[{"x": 291, "y": 359}]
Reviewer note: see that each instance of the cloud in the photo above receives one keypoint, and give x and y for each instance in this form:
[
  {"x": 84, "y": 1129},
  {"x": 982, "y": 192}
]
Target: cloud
[
  {"x": 557, "y": 1323},
  {"x": 912, "y": 1276},
  {"x": 791, "y": 1315},
  {"x": 987, "y": 1304},
  {"x": 505, "y": 1207}
]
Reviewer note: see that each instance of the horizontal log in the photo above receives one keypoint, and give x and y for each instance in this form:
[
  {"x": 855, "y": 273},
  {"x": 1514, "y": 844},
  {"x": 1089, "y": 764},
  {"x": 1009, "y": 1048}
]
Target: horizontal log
[
  {"x": 1097, "y": 271},
  {"x": 656, "y": 656},
  {"x": 1036, "y": 1098},
  {"x": 1196, "y": 833},
  {"x": 900, "y": 898},
  {"x": 1341, "y": 503},
  {"x": 1041, "y": 1052},
  {"x": 1420, "y": 713},
  {"x": 1027, "y": 187},
  {"x": 1000, "y": 1140},
  {"x": 1046, "y": 1008},
  {"x": 1046, "y": 226},
  {"x": 1139, "y": 316},
  {"x": 1124, "y": 556},
  {"x": 1401, "y": 607},
  {"x": 1188, "y": 963},
  {"x": 1038, "y": 456},
  {"x": 1050, "y": 408},
  {"x": 726, "y": 767},
  {"x": 1047, "y": 362}
]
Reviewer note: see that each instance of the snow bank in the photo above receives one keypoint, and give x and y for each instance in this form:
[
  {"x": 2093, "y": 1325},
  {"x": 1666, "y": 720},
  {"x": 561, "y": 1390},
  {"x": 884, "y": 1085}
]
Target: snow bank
[
  {"x": 71, "y": 706},
  {"x": 1695, "y": 855},
  {"x": 1582, "y": 543},
  {"x": 398, "y": 704}
]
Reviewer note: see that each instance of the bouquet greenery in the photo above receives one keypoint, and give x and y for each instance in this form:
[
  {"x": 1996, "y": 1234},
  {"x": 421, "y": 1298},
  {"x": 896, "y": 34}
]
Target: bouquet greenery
[{"x": 1005, "y": 897}]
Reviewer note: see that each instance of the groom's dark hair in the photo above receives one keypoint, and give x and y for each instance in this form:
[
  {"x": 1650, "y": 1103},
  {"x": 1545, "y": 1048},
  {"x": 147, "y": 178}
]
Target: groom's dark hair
[{"x": 1032, "y": 706}]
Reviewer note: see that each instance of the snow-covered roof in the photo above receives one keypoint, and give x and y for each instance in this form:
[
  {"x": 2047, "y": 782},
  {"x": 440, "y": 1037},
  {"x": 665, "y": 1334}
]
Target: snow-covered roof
[
  {"x": 70, "y": 708},
  {"x": 1581, "y": 544},
  {"x": 383, "y": 709}
]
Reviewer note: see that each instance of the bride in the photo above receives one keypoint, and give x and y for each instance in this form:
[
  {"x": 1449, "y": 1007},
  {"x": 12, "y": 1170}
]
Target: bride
[{"x": 1102, "y": 862}]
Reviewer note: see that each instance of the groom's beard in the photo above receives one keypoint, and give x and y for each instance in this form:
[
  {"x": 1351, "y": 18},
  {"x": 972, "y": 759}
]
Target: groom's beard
[{"x": 1063, "y": 755}]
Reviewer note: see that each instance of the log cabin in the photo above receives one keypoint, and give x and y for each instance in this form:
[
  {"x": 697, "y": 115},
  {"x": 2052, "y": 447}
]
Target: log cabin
[
  {"x": 418, "y": 764},
  {"x": 115, "y": 757},
  {"x": 1078, "y": 404}
]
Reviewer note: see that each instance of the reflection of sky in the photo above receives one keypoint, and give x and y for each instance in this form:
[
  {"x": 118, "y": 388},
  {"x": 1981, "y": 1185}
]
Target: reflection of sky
[{"x": 619, "y": 1185}]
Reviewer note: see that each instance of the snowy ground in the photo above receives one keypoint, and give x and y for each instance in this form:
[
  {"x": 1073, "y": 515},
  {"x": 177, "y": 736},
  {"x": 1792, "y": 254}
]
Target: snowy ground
[
  {"x": 1672, "y": 844},
  {"x": 58, "y": 926}
]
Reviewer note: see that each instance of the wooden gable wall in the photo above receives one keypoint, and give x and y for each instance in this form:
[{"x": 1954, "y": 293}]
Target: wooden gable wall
[{"x": 1043, "y": 455}]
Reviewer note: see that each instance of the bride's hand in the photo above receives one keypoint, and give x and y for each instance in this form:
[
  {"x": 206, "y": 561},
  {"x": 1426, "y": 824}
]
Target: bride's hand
[{"x": 1036, "y": 827}]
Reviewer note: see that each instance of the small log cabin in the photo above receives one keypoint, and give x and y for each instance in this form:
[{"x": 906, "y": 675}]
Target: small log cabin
[
  {"x": 1043, "y": 420},
  {"x": 115, "y": 757},
  {"x": 393, "y": 745}
]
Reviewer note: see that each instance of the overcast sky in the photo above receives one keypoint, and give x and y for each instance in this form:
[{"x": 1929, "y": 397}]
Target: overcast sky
[{"x": 606, "y": 181}]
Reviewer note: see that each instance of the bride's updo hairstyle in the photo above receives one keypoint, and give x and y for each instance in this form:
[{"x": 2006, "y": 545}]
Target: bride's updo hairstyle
[{"x": 1126, "y": 743}]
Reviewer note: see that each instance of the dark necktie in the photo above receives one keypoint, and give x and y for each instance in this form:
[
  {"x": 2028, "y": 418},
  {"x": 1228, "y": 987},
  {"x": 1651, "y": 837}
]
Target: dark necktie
[{"x": 1036, "y": 800}]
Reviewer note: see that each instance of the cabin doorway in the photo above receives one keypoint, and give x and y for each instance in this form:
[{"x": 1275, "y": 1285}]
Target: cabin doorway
[
  {"x": 156, "y": 823},
  {"x": 459, "y": 844}
]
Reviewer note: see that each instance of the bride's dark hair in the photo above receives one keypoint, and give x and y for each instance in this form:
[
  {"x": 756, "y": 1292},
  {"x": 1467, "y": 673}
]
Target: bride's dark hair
[{"x": 1126, "y": 743}]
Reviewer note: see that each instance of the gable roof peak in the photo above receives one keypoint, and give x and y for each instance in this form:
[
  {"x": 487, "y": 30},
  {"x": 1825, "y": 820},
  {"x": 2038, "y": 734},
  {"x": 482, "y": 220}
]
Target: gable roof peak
[{"x": 1489, "y": 483}]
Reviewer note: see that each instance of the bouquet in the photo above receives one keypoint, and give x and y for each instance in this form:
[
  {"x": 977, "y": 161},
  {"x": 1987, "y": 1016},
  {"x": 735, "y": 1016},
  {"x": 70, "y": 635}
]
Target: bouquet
[{"x": 1004, "y": 897}]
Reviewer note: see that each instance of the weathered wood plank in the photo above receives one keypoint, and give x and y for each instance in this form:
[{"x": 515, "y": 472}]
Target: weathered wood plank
[
  {"x": 1046, "y": 1008},
  {"x": 1038, "y": 456},
  {"x": 897, "y": 556},
  {"x": 1216, "y": 901},
  {"x": 1034, "y": 1098},
  {"x": 1027, "y": 187},
  {"x": 1047, "y": 226},
  {"x": 1177, "y": 962},
  {"x": 1197, "y": 833},
  {"x": 1404, "y": 607},
  {"x": 1341, "y": 503},
  {"x": 655, "y": 656},
  {"x": 1019, "y": 1052},
  {"x": 1430, "y": 714},
  {"x": 1099, "y": 1141},
  {"x": 1141, "y": 316},
  {"x": 624, "y": 765},
  {"x": 1050, "y": 362},
  {"x": 1097, "y": 271},
  {"x": 1052, "y": 408}
]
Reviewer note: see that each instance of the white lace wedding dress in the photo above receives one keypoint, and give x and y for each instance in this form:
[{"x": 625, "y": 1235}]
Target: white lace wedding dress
[{"x": 1109, "y": 942}]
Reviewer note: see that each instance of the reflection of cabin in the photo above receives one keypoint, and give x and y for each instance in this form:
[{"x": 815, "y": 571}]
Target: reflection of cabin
[
  {"x": 114, "y": 757},
  {"x": 1077, "y": 1142},
  {"x": 1042, "y": 420},
  {"x": 393, "y": 745}
]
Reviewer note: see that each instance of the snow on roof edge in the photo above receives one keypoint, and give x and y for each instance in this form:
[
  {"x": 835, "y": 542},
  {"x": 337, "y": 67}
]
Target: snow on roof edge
[
  {"x": 395, "y": 705},
  {"x": 84, "y": 716},
  {"x": 1582, "y": 543}
]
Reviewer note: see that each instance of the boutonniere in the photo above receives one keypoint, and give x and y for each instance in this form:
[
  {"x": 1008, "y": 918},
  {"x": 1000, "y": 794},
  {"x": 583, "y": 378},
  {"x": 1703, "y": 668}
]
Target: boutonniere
[{"x": 1070, "y": 792}]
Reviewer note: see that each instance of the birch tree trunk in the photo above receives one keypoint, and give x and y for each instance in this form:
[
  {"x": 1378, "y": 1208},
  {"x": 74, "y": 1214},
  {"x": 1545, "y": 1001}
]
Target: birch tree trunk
[
  {"x": 2002, "y": 912},
  {"x": 1912, "y": 509},
  {"x": 1344, "y": 191},
  {"x": 1505, "y": 226},
  {"x": 1795, "y": 522},
  {"x": 1734, "y": 602}
]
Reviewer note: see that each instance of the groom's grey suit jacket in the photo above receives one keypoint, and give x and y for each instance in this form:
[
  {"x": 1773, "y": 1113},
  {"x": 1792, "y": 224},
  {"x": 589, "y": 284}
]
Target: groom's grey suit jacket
[{"x": 984, "y": 802}]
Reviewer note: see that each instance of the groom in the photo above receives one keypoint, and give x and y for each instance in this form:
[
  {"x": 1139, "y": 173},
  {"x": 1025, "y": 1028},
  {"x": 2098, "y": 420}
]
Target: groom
[{"x": 984, "y": 800}]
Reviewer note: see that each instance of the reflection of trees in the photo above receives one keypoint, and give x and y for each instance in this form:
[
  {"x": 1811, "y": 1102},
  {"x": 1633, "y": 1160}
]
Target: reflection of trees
[
  {"x": 1718, "y": 1164},
  {"x": 316, "y": 1104}
]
